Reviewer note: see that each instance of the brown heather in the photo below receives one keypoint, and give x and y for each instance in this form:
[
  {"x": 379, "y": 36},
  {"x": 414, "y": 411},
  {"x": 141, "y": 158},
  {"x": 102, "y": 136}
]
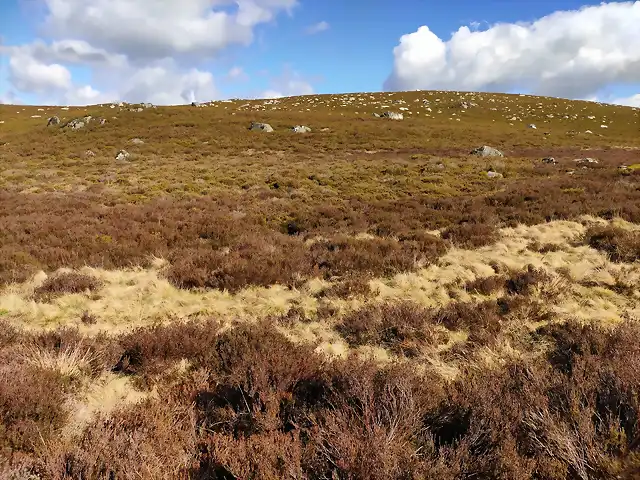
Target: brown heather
[{"x": 356, "y": 303}]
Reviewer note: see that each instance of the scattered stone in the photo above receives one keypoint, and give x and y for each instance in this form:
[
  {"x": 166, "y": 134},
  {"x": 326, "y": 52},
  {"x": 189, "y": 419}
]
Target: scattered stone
[
  {"x": 486, "y": 151},
  {"x": 148, "y": 105},
  {"x": 325, "y": 129},
  {"x": 492, "y": 174},
  {"x": 53, "y": 121},
  {"x": 586, "y": 160},
  {"x": 89, "y": 153},
  {"x": 76, "y": 124},
  {"x": 531, "y": 125},
  {"x": 301, "y": 129},
  {"x": 123, "y": 155},
  {"x": 137, "y": 141},
  {"x": 392, "y": 115},
  {"x": 102, "y": 121},
  {"x": 265, "y": 127},
  {"x": 549, "y": 160}
]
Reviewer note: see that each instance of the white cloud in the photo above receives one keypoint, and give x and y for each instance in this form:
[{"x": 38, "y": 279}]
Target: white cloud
[
  {"x": 10, "y": 98},
  {"x": 237, "y": 74},
  {"x": 142, "y": 51},
  {"x": 29, "y": 75},
  {"x": 632, "y": 101},
  {"x": 165, "y": 85},
  {"x": 67, "y": 51},
  {"x": 568, "y": 53},
  {"x": 147, "y": 29},
  {"x": 87, "y": 95},
  {"x": 289, "y": 83},
  {"x": 317, "y": 28}
]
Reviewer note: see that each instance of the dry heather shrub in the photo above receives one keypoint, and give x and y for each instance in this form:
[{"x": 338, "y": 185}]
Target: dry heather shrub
[
  {"x": 538, "y": 421},
  {"x": 619, "y": 244},
  {"x": 482, "y": 320},
  {"x": 470, "y": 235},
  {"x": 150, "y": 350},
  {"x": 404, "y": 327},
  {"x": 68, "y": 352},
  {"x": 485, "y": 321},
  {"x": 259, "y": 406},
  {"x": 31, "y": 408},
  {"x": 254, "y": 262},
  {"x": 65, "y": 283},
  {"x": 351, "y": 286},
  {"x": 523, "y": 282},
  {"x": 375, "y": 428},
  {"x": 379, "y": 256},
  {"x": 152, "y": 439},
  {"x": 485, "y": 285},
  {"x": 544, "y": 247},
  {"x": 256, "y": 397}
]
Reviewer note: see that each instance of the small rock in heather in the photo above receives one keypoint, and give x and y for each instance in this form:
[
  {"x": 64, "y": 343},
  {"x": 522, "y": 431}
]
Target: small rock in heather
[
  {"x": 582, "y": 161},
  {"x": 264, "y": 127},
  {"x": 492, "y": 174},
  {"x": 123, "y": 155},
  {"x": 301, "y": 129},
  {"x": 76, "y": 124},
  {"x": 137, "y": 141},
  {"x": 392, "y": 115},
  {"x": 549, "y": 160},
  {"x": 53, "y": 121},
  {"x": 486, "y": 151}
]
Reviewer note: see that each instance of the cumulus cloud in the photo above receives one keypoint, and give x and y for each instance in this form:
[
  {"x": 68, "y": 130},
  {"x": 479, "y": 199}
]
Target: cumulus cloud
[
  {"x": 152, "y": 29},
  {"x": 317, "y": 28},
  {"x": 29, "y": 75},
  {"x": 67, "y": 51},
  {"x": 237, "y": 74},
  {"x": 164, "y": 85},
  {"x": 632, "y": 101},
  {"x": 9, "y": 98},
  {"x": 289, "y": 83},
  {"x": 142, "y": 51},
  {"x": 568, "y": 53},
  {"x": 87, "y": 95}
]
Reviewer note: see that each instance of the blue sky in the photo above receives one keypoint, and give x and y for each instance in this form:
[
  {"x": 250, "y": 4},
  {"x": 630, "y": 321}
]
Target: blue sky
[{"x": 276, "y": 55}]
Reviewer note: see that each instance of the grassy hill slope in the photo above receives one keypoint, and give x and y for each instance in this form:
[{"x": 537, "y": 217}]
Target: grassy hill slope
[{"x": 367, "y": 300}]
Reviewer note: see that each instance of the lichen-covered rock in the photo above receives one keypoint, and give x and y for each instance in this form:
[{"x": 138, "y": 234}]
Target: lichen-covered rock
[
  {"x": 264, "y": 127},
  {"x": 486, "y": 151}
]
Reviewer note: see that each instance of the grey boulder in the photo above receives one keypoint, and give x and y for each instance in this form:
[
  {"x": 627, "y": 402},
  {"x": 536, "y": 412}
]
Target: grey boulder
[
  {"x": 486, "y": 151},
  {"x": 264, "y": 127}
]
